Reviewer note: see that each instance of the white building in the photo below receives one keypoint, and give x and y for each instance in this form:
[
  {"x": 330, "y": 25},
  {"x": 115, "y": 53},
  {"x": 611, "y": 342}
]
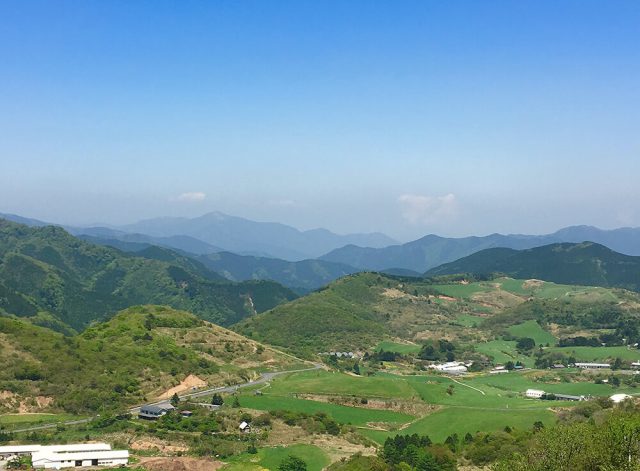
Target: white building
[
  {"x": 52, "y": 460},
  {"x": 452, "y": 367},
  {"x": 534, "y": 393},
  {"x": 635, "y": 365},
  {"x": 618, "y": 398},
  {"x": 67, "y": 456},
  {"x": 593, "y": 366},
  {"x": 245, "y": 427},
  {"x": 22, "y": 450}
]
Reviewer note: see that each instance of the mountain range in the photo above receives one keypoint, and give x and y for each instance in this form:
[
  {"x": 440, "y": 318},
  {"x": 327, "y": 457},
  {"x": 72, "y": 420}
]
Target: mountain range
[
  {"x": 432, "y": 250},
  {"x": 57, "y": 279},
  {"x": 244, "y": 236},
  {"x": 586, "y": 264}
]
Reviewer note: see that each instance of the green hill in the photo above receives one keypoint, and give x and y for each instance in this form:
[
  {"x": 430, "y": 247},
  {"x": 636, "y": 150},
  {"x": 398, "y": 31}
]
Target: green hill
[
  {"x": 45, "y": 269},
  {"x": 578, "y": 264},
  {"x": 359, "y": 311},
  {"x": 135, "y": 356},
  {"x": 352, "y": 313}
]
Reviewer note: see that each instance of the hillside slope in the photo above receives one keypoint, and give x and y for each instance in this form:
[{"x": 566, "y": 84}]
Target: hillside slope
[
  {"x": 45, "y": 269},
  {"x": 577, "y": 264},
  {"x": 135, "y": 356}
]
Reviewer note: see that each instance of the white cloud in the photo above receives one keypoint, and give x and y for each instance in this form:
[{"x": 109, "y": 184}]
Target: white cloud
[
  {"x": 283, "y": 202},
  {"x": 191, "y": 197},
  {"x": 422, "y": 210}
]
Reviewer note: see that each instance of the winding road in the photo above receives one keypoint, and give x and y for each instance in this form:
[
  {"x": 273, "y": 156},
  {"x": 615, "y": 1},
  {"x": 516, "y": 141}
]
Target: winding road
[{"x": 264, "y": 378}]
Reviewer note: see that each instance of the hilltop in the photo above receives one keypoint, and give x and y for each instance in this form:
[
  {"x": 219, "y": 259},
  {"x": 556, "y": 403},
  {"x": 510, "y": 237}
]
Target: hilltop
[
  {"x": 580, "y": 264},
  {"x": 47, "y": 270},
  {"x": 135, "y": 356}
]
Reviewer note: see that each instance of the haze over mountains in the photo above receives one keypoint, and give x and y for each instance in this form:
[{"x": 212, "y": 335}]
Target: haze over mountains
[
  {"x": 432, "y": 250},
  {"x": 240, "y": 249}
]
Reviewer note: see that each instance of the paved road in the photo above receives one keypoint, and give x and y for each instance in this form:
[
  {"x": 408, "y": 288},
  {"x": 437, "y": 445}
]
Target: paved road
[{"x": 264, "y": 378}]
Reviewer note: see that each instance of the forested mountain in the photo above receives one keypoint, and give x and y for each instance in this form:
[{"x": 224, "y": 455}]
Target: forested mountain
[
  {"x": 45, "y": 269},
  {"x": 244, "y": 236},
  {"x": 432, "y": 250},
  {"x": 578, "y": 264}
]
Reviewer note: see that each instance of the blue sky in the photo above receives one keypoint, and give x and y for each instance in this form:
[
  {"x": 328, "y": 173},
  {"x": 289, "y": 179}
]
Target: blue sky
[{"x": 457, "y": 117}]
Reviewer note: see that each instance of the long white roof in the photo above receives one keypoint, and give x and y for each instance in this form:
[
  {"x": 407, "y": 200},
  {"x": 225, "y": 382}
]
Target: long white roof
[
  {"x": 86, "y": 455},
  {"x": 74, "y": 447}
]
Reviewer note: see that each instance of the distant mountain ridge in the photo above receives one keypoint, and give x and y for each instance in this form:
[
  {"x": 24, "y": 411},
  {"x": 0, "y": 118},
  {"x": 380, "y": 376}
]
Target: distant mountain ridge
[
  {"x": 432, "y": 250},
  {"x": 244, "y": 236},
  {"x": 218, "y": 232},
  {"x": 586, "y": 263}
]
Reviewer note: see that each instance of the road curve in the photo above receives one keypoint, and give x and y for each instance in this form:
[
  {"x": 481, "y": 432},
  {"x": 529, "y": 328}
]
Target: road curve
[{"x": 264, "y": 378}]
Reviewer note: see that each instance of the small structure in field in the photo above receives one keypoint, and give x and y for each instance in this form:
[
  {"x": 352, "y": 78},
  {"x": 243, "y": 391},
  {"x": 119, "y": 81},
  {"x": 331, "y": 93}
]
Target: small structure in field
[
  {"x": 534, "y": 393},
  {"x": 245, "y": 427},
  {"x": 186, "y": 413},
  {"x": 593, "y": 366},
  {"x": 499, "y": 370}
]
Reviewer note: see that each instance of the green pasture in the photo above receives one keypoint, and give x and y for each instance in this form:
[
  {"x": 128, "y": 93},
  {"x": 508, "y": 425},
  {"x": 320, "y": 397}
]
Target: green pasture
[
  {"x": 599, "y": 353},
  {"x": 533, "y": 330},
  {"x": 343, "y": 414},
  {"x": 18, "y": 421},
  {"x": 460, "y": 291},
  {"x": 449, "y": 420},
  {"x": 335, "y": 383},
  {"x": 503, "y": 351},
  {"x": 270, "y": 458}
]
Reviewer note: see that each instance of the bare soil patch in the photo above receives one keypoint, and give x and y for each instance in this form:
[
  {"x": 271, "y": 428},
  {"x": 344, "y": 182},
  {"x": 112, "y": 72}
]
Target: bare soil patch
[
  {"x": 180, "y": 464},
  {"x": 191, "y": 381}
]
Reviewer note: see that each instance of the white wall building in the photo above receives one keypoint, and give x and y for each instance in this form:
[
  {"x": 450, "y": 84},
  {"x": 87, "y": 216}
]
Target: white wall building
[
  {"x": 21, "y": 450},
  {"x": 453, "y": 367},
  {"x": 534, "y": 393},
  {"x": 52, "y": 460}
]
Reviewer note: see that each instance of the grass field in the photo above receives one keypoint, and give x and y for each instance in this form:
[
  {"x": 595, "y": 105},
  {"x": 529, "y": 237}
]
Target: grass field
[
  {"x": 503, "y": 351},
  {"x": 599, "y": 353},
  {"x": 533, "y": 330},
  {"x": 333, "y": 383},
  {"x": 270, "y": 458},
  {"x": 442, "y": 423},
  {"x": 342, "y": 414},
  {"x": 403, "y": 348},
  {"x": 17, "y": 421}
]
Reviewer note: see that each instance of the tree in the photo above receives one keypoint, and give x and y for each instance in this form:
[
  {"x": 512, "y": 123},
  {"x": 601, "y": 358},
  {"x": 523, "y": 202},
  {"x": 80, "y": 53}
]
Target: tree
[
  {"x": 175, "y": 400},
  {"x": 236, "y": 402},
  {"x": 292, "y": 463},
  {"x": 525, "y": 344},
  {"x": 217, "y": 400},
  {"x": 356, "y": 368}
]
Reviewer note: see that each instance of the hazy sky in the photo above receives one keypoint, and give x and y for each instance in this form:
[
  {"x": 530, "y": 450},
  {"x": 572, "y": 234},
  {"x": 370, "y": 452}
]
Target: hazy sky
[{"x": 453, "y": 117}]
